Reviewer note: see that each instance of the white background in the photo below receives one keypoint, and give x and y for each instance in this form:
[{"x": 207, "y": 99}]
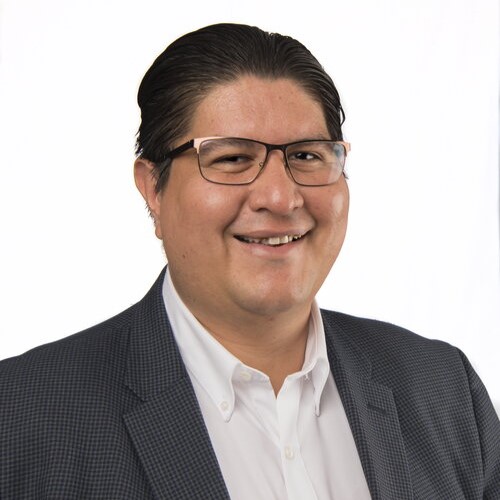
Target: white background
[{"x": 419, "y": 82}]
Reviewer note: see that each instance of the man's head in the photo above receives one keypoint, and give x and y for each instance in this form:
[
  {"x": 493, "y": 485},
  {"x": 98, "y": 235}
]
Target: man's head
[
  {"x": 198, "y": 62},
  {"x": 261, "y": 249}
]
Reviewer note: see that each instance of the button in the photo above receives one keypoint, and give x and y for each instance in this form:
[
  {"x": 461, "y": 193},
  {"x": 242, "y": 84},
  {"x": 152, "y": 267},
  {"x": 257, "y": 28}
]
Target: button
[
  {"x": 224, "y": 406},
  {"x": 246, "y": 376},
  {"x": 289, "y": 454}
]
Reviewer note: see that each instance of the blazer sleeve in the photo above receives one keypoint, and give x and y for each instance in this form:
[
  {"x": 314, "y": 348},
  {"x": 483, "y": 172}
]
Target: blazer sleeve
[{"x": 488, "y": 426}]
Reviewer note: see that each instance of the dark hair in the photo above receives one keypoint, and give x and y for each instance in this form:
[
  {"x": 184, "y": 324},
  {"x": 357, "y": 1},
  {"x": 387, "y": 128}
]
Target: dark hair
[{"x": 197, "y": 62}]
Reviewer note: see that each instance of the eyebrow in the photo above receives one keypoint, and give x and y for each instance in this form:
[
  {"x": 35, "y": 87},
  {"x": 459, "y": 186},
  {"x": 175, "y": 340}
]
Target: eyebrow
[
  {"x": 319, "y": 137},
  {"x": 237, "y": 140}
]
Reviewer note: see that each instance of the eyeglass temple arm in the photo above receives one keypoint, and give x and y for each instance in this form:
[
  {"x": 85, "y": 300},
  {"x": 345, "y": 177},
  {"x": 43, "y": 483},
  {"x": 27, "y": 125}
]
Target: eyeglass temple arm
[
  {"x": 179, "y": 150},
  {"x": 347, "y": 146}
]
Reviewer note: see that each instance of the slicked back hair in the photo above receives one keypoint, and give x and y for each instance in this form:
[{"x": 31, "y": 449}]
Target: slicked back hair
[{"x": 192, "y": 66}]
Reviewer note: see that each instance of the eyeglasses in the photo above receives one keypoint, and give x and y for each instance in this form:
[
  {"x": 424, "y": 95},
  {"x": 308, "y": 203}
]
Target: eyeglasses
[{"x": 236, "y": 161}]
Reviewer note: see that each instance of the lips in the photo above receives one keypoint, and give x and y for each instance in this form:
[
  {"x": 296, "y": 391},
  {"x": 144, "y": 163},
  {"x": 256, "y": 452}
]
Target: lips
[{"x": 271, "y": 240}]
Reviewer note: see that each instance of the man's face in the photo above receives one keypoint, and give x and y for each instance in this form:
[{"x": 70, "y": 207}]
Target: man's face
[{"x": 202, "y": 224}]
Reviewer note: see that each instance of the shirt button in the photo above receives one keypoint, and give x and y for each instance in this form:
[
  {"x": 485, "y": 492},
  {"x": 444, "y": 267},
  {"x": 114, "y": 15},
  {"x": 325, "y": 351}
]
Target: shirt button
[
  {"x": 289, "y": 454},
  {"x": 246, "y": 376},
  {"x": 224, "y": 406}
]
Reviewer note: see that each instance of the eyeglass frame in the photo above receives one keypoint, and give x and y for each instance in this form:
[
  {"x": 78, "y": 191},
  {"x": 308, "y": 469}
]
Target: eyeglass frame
[{"x": 196, "y": 143}]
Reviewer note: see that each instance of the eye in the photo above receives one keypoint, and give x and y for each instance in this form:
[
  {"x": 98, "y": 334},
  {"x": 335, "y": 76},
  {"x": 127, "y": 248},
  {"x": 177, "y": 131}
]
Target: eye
[
  {"x": 304, "y": 156},
  {"x": 233, "y": 158},
  {"x": 232, "y": 163}
]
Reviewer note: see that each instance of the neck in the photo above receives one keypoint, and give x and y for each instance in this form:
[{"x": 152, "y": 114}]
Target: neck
[{"x": 273, "y": 345}]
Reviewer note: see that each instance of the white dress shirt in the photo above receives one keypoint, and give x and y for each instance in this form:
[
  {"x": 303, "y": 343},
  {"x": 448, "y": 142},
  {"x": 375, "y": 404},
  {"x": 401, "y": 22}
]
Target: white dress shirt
[{"x": 297, "y": 445}]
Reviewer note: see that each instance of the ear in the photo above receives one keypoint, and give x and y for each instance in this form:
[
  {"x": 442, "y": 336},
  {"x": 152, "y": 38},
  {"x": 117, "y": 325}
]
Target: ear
[{"x": 145, "y": 180}]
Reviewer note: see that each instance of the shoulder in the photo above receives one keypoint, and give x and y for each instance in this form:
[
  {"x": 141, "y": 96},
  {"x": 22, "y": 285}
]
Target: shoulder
[
  {"x": 384, "y": 342},
  {"x": 432, "y": 383},
  {"x": 61, "y": 407},
  {"x": 414, "y": 367},
  {"x": 87, "y": 357},
  {"x": 424, "y": 375},
  {"x": 102, "y": 344},
  {"x": 66, "y": 395}
]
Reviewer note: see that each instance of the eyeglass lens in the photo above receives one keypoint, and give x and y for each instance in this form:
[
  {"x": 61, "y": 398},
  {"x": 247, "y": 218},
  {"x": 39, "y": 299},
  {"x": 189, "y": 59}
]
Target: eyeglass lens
[{"x": 239, "y": 161}]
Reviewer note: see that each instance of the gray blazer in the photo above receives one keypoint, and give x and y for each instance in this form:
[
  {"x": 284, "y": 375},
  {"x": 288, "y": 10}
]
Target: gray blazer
[{"x": 110, "y": 413}]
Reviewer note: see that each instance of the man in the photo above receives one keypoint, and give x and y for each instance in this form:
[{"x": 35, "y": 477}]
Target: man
[{"x": 226, "y": 381}]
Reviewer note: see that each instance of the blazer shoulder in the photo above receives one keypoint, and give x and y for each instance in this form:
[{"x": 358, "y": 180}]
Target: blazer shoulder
[
  {"x": 398, "y": 357},
  {"x": 431, "y": 382},
  {"x": 381, "y": 336},
  {"x": 82, "y": 352}
]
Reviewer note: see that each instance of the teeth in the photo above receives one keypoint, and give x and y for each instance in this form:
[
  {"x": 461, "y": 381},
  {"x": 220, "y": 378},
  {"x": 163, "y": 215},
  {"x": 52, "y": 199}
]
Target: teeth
[{"x": 273, "y": 240}]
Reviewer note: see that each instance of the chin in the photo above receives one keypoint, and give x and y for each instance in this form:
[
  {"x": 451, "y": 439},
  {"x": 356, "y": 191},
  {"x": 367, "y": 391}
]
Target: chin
[{"x": 273, "y": 302}]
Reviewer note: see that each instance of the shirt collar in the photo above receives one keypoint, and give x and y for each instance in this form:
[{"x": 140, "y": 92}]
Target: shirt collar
[
  {"x": 215, "y": 368},
  {"x": 316, "y": 356}
]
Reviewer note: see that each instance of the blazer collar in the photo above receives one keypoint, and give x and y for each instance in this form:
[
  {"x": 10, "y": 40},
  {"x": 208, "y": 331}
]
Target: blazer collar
[
  {"x": 167, "y": 427},
  {"x": 154, "y": 363},
  {"x": 372, "y": 415}
]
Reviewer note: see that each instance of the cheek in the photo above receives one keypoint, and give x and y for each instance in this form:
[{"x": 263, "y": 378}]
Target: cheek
[
  {"x": 198, "y": 213},
  {"x": 331, "y": 210},
  {"x": 340, "y": 206}
]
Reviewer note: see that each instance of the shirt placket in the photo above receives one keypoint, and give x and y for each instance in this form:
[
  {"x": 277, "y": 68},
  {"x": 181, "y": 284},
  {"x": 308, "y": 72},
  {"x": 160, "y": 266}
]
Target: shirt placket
[{"x": 297, "y": 481}]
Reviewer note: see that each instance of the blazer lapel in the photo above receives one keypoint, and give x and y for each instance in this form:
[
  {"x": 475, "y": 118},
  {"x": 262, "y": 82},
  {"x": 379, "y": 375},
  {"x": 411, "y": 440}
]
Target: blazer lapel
[
  {"x": 372, "y": 415},
  {"x": 167, "y": 427}
]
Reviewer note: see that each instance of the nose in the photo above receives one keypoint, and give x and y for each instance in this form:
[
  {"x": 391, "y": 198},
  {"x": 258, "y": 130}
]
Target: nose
[{"x": 274, "y": 189}]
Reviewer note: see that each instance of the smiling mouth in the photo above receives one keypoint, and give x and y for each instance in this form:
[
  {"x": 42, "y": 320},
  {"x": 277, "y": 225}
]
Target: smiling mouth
[{"x": 272, "y": 241}]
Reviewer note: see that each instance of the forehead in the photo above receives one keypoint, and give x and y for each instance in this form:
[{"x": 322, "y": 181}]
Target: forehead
[{"x": 274, "y": 111}]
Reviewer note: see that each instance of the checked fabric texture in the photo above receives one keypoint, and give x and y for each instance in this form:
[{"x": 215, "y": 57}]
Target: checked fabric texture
[{"x": 110, "y": 413}]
